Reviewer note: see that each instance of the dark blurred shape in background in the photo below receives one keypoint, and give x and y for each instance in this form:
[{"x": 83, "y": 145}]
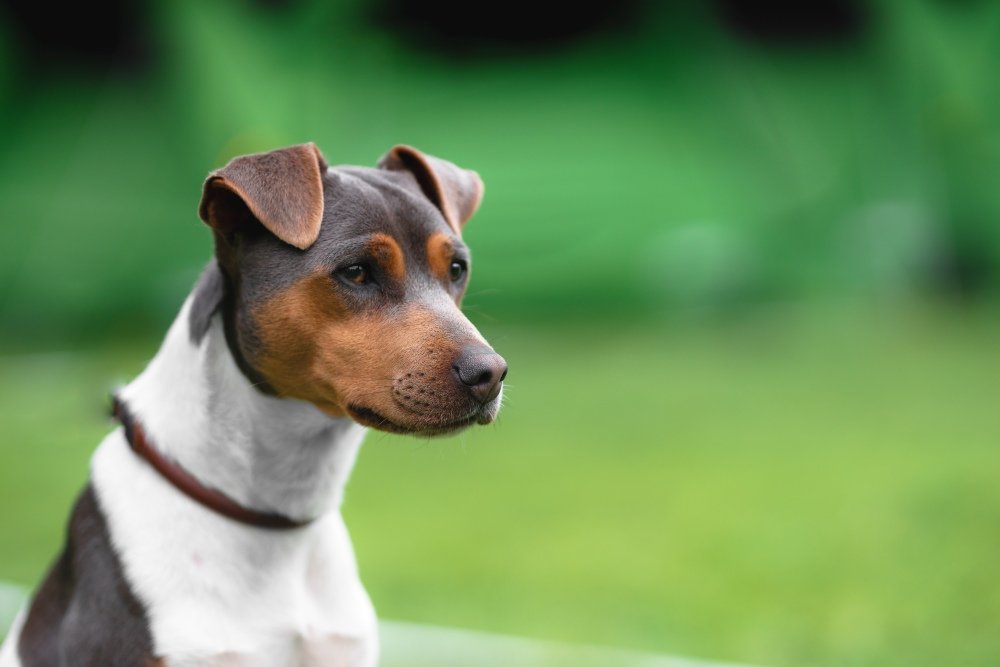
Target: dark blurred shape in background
[
  {"x": 786, "y": 21},
  {"x": 518, "y": 27},
  {"x": 83, "y": 38},
  {"x": 743, "y": 258}
]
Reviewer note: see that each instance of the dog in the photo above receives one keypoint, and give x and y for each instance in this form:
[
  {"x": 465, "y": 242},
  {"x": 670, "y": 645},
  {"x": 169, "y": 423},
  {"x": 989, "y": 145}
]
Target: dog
[{"x": 209, "y": 533}]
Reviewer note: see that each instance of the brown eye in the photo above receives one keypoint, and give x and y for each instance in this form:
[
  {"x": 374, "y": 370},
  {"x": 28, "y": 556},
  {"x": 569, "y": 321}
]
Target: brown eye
[
  {"x": 458, "y": 269},
  {"x": 355, "y": 273}
]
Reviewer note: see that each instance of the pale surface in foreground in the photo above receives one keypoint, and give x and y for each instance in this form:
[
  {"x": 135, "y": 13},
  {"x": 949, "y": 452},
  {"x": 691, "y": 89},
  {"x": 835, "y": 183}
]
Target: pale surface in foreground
[{"x": 413, "y": 645}]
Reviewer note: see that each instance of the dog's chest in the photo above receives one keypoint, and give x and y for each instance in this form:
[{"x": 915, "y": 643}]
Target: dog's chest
[
  {"x": 330, "y": 651},
  {"x": 218, "y": 593},
  {"x": 262, "y": 638},
  {"x": 312, "y": 613}
]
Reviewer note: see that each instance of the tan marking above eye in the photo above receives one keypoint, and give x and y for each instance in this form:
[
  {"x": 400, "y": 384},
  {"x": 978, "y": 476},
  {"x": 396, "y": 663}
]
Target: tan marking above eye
[
  {"x": 440, "y": 252},
  {"x": 386, "y": 252}
]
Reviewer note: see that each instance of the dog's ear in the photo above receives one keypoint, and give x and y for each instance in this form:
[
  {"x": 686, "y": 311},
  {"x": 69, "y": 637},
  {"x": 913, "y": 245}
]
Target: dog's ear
[
  {"x": 282, "y": 189},
  {"x": 455, "y": 191}
]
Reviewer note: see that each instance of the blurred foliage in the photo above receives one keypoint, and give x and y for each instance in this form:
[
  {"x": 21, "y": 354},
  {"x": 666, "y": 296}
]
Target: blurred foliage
[{"x": 671, "y": 168}]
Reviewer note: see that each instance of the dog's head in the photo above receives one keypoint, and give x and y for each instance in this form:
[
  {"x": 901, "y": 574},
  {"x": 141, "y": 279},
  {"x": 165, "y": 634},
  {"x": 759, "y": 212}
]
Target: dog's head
[{"x": 343, "y": 285}]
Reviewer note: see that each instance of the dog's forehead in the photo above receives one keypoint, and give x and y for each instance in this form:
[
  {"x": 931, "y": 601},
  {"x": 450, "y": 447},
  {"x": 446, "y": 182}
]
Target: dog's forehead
[{"x": 360, "y": 202}]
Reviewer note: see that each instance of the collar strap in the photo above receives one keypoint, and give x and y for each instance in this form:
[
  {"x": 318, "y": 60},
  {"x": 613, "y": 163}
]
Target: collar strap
[{"x": 189, "y": 485}]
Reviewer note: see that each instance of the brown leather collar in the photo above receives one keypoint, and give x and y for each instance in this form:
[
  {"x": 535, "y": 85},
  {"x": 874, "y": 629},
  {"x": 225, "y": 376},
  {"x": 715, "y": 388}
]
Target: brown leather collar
[{"x": 187, "y": 484}]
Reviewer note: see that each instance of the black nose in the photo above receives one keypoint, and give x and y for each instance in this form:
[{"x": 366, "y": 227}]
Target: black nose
[{"x": 481, "y": 370}]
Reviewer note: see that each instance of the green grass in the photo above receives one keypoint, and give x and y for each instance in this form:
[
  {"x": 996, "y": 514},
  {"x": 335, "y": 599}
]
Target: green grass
[{"x": 788, "y": 490}]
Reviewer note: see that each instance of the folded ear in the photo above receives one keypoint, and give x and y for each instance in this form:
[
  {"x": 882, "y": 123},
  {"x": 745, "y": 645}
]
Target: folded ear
[
  {"x": 283, "y": 190},
  {"x": 455, "y": 191}
]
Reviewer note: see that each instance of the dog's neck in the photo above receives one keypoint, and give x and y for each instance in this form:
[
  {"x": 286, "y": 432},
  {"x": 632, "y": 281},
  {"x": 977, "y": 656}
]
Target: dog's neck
[{"x": 267, "y": 453}]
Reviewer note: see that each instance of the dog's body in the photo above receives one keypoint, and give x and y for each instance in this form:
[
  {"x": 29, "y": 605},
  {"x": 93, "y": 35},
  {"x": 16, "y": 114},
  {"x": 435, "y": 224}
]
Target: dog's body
[{"x": 258, "y": 391}]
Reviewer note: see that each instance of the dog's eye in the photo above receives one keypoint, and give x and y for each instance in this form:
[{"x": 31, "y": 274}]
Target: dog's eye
[
  {"x": 458, "y": 269},
  {"x": 355, "y": 273}
]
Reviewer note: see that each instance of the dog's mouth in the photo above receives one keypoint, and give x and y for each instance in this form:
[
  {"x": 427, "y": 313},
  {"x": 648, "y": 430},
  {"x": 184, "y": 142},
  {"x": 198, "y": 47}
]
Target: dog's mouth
[{"x": 368, "y": 417}]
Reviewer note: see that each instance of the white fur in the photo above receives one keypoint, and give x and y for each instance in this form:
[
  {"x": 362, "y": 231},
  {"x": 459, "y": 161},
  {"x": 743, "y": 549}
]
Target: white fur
[
  {"x": 8, "y": 652},
  {"x": 218, "y": 592}
]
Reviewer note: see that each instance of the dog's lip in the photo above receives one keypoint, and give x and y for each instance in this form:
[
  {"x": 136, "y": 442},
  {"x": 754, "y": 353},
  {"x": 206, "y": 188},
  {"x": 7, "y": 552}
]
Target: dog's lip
[{"x": 370, "y": 417}]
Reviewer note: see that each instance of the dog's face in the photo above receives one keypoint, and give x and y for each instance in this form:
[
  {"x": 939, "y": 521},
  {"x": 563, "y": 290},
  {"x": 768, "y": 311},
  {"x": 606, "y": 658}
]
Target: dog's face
[{"x": 344, "y": 285}]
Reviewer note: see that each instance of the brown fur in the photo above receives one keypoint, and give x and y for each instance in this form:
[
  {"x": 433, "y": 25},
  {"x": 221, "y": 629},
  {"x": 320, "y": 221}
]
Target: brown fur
[
  {"x": 389, "y": 255},
  {"x": 440, "y": 251},
  {"x": 298, "y": 327},
  {"x": 283, "y": 189},
  {"x": 396, "y": 363},
  {"x": 456, "y": 192}
]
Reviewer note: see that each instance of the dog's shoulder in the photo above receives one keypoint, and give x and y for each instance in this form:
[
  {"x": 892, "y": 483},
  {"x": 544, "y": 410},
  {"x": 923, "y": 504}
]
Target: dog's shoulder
[{"x": 84, "y": 613}]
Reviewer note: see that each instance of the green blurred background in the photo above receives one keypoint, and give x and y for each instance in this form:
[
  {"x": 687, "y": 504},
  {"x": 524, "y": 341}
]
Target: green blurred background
[{"x": 743, "y": 261}]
